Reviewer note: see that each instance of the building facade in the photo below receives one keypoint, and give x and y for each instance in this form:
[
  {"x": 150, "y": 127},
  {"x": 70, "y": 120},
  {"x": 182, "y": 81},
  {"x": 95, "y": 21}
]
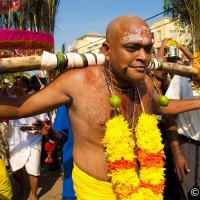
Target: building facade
[{"x": 90, "y": 42}]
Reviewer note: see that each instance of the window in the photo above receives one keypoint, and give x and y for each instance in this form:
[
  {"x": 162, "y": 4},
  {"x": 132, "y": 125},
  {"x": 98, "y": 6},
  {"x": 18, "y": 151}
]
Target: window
[
  {"x": 159, "y": 36},
  {"x": 172, "y": 34},
  {"x": 152, "y": 35}
]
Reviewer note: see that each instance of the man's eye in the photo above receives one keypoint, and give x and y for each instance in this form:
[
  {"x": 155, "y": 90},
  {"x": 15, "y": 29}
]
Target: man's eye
[
  {"x": 131, "y": 48},
  {"x": 148, "y": 49}
]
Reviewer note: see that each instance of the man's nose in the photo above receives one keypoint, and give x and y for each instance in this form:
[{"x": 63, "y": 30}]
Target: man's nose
[{"x": 142, "y": 55}]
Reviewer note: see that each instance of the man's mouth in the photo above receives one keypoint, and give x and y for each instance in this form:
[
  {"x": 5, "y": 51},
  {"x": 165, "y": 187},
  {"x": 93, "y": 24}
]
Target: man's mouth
[{"x": 139, "y": 68}]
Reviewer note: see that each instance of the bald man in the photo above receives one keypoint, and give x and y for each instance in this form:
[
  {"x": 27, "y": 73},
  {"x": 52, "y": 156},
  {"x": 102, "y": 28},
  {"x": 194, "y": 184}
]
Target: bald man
[{"x": 86, "y": 92}]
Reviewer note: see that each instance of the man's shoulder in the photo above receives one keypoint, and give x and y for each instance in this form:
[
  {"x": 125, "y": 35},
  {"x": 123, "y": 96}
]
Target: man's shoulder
[
  {"x": 85, "y": 70},
  {"x": 81, "y": 74}
]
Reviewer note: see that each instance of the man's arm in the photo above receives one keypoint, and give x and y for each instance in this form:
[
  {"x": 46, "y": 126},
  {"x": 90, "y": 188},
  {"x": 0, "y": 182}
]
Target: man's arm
[
  {"x": 186, "y": 52},
  {"x": 176, "y": 106},
  {"x": 161, "y": 51},
  {"x": 179, "y": 161},
  {"x": 56, "y": 93}
]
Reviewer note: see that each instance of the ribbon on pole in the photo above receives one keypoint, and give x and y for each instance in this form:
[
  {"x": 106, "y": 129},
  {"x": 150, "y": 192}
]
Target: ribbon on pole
[{"x": 49, "y": 61}]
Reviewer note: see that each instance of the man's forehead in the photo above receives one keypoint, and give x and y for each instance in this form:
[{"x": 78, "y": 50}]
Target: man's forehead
[{"x": 136, "y": 34}]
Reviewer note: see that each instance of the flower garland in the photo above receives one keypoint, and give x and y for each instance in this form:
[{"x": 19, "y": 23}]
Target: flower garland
[{"x": 123, "y": 152}]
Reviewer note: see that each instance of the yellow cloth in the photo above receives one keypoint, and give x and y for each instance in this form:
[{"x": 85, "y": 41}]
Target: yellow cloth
[
  {"x": 196, "y": 59},
  {"x": 88, "y": 188},
  {"x": 5, "y": 186}
]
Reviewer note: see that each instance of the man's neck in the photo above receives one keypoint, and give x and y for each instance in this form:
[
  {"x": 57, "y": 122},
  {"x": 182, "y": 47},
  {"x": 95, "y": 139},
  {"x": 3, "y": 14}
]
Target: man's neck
[{"x": 119, "y": 82}]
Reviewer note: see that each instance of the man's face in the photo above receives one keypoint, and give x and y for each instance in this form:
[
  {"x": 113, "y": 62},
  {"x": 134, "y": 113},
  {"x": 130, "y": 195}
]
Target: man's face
[
  {"x": 21, "y": 87},
  {"x": 130, "y": 52}
]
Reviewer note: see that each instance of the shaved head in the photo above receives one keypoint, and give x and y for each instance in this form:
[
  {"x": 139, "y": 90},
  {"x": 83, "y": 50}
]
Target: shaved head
[
  {"x": 125, "y": 25},
  {"x": 128, "y": 47}
]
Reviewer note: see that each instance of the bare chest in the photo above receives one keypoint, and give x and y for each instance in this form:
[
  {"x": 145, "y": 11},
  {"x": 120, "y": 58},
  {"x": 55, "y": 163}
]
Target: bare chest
[{"x": 93, "y": 109}]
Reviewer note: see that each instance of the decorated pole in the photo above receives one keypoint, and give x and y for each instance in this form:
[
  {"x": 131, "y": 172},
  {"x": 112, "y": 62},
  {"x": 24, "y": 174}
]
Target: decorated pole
[
  {"x": 49, "y": 61},
  {"x": 174, "y": 68}
]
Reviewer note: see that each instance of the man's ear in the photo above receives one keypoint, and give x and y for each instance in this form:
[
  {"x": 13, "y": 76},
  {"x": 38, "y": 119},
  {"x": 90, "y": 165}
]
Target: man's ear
[{"x": 106, "y": 50}]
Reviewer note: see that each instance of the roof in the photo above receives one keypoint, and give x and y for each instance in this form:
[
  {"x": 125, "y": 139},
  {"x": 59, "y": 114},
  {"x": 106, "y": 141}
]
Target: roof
[{"x": 93, "y": 34}]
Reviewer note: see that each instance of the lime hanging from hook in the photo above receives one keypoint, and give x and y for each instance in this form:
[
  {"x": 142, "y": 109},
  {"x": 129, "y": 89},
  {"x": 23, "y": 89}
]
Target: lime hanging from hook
[
  {"x": 115, "y": 101},
  {"x": 163, "y": 100}
]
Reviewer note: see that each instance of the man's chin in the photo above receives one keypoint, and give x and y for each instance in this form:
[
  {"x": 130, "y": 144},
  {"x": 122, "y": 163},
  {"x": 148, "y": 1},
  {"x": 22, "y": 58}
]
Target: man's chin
[{"x": 136, "y": 76}]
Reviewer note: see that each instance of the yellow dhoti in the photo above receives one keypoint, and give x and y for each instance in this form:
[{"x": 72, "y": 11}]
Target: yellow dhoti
[
  {"x": 5, "y": 185},
  {"x": 89, "y": 188}
]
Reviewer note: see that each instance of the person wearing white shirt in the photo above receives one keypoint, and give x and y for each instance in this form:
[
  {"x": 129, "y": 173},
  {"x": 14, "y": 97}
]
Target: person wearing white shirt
[
  {"x": 186, "y": 147},
  {"x": 25, "y": 144}
]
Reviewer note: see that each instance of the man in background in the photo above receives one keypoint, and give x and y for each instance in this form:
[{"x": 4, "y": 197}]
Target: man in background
[
  {"x": 61, "y": 131},
  {"x": 25, "y": 144}
]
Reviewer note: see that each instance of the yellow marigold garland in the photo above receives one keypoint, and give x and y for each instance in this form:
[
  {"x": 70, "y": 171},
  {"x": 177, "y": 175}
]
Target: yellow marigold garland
[{"x": 122, "y": 152}]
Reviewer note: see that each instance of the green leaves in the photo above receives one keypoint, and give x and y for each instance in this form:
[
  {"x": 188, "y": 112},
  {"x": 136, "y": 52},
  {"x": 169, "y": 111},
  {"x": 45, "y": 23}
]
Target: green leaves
[
  {"x": 11, "y": 76},
  {"x": 34, "y": 15},
  {"x": 177, "y": 9}
]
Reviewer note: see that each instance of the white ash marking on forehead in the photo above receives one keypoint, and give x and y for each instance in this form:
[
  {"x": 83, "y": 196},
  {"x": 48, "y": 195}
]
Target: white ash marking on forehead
[
  {"x": 131, "y": 38},
  {"x": 138, "y": 34}
]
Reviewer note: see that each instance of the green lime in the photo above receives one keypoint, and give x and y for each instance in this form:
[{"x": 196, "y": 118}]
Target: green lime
[
  {"x": 163, "y": 100},
  {"x": 115, "y": 101}
]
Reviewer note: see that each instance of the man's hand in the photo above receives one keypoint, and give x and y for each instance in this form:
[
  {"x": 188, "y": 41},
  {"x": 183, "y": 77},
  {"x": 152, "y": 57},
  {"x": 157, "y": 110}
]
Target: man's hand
[
  {"x": 161, "y": 52},
  {"x": 44, "y": 127},
  {"x": 164, "y": 42},
  {"x": 180, "y": 166},
  {"x": 196, "y": 77},
  {"x": 24, "y": 128}
]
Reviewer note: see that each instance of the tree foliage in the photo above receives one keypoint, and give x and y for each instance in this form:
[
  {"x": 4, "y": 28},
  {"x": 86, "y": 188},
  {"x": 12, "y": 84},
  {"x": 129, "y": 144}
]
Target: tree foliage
[
  {"x": 10, "y": 76},
  {"x": 177, "y": 9},
  {"x": 34, "y": 15},
  {"x": 187, "y": 13}
]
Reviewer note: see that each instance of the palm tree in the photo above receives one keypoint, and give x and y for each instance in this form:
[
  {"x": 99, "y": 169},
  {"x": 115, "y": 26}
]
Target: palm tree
[
  {"x": 193, "y": 8},
  {"x": 34, "y": 15}
]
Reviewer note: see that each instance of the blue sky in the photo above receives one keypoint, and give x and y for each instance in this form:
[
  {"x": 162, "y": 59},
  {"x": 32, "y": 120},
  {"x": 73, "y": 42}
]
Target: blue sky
[{"x": 78, "y": 17}]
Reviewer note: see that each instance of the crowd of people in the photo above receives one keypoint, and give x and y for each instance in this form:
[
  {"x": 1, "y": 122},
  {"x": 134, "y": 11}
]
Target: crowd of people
[{"x": 80, "y": 98}]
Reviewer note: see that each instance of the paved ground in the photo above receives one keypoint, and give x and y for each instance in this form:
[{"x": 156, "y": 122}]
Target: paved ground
[{"x": 50, "y": 187}]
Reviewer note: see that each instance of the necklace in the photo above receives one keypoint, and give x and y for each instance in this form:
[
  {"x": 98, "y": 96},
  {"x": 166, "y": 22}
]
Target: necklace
[
  {"x": 111, "y": 91},
  {"x": 123, "y": 90},
  {"x": 109, "y": 80}
]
